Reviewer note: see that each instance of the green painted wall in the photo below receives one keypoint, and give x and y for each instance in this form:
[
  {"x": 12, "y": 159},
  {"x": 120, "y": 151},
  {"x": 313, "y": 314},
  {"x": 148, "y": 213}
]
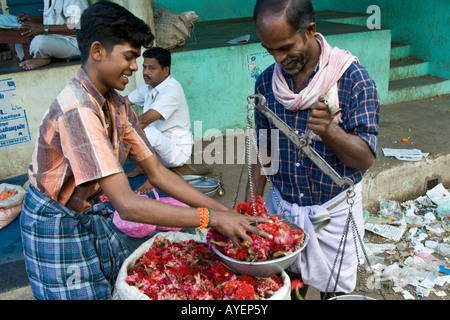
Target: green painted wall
[
  {"x": 210, "y": 9},
  {"x": 424, "y": 25},
  {"x": 217, "y": 81}
]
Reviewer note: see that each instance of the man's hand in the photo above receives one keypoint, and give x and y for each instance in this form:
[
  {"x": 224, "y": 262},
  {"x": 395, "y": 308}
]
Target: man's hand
[
  {"x": 349, "y": 148},
  {"x": 235, "y": 225},
  {"x": 320, "y": 119}
]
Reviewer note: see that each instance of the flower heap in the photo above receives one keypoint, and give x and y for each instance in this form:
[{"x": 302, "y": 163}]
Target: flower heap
[
  {"x": 284, "y": 239},
  {"x": 190, "y": 271},
  {"x": 6, "y": 195}
]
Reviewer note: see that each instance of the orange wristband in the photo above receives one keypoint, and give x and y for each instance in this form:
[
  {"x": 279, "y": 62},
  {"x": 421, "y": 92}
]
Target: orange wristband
[{"x": 204, "y": 218}]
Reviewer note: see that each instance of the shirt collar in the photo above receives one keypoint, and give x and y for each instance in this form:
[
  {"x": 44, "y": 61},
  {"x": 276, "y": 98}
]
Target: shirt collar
[
  {"x": 161, "y": 86},
  {"x": 290, "y": 81},
  {"x": 112, "y": 96}
]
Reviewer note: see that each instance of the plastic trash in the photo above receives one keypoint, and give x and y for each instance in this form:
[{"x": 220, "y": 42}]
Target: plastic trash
[
  {"x": 391, "y": 209},
  {"x": 443, "y": 209},
  {"x": 443, "y": 249}
]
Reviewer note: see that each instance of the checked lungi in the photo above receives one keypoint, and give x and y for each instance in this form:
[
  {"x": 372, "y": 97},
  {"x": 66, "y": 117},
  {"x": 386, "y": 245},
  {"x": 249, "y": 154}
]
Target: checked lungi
[
  {"x": 325, "y": 226},
  {"x": 69, "y": 255}
]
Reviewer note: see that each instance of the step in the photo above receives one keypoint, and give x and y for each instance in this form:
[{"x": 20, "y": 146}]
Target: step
[
  {"x": 416, "y": 88},
  {"x": 400, "y": 50},
  {"x": 408, "y": 67},
  {"x": 355, "y": 18}
]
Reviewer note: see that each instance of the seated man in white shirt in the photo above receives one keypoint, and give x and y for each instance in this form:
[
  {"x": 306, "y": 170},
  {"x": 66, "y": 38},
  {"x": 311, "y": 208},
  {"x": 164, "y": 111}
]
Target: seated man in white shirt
[
  {"x": 53, "y": 34},
  {"x": 165, "y": 119}
]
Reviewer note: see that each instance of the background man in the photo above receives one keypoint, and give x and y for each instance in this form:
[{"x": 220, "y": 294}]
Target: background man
[
  {"x": 53, "y": 33},
  {"x": 165, "y": 119}
]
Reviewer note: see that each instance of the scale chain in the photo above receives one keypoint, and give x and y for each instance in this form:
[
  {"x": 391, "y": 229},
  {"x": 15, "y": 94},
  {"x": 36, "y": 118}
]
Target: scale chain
[
  {"x": 350, "y": 202},
  {"x": 250, "y": 112}
]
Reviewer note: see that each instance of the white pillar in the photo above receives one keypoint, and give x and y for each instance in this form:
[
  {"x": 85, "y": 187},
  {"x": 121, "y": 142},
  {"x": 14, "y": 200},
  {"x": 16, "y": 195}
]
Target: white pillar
[{"x": 143, "y": 9}]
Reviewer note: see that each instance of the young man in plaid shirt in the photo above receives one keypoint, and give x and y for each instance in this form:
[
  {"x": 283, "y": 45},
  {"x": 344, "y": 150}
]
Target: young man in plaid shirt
[{"x": 71, "y": 250}]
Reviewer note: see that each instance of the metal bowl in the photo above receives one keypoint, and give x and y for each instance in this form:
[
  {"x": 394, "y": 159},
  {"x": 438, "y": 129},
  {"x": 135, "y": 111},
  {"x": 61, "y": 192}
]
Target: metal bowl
[
  {"x": 263, "y": 268},
  {"x": 203, "y": 184},
  {"x": 352, "y": 297},
  {"x": 212, "y": 193}
]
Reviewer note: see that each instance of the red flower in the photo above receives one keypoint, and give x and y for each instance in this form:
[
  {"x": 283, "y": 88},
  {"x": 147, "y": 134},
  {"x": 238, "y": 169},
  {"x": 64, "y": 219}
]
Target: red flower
[
  {"x": 239, "y": 290},
  {"x": 296, "y": 285},
  {"x": 188, "y": 270},
  {"x": 284, "y": 240}
]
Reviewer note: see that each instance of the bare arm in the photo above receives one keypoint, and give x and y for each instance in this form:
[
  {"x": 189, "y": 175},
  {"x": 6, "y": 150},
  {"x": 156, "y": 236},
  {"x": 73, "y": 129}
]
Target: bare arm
[
  {"x": 149, "y": 117},
  {"x": 132, "y": 207},
  {"x": 349, "y": 148},
  {"x": 35, "y": 26},
  {"x": 146, "y": 118}
]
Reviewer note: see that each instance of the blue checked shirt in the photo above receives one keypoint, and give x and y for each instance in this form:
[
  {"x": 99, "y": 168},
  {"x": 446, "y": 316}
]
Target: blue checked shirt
[{"x": 298, "y": 179}]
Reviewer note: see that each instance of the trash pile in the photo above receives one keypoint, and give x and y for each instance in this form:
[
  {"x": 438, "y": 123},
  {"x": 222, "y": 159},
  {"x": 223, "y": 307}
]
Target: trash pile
[{"x": 413, "y": 255}]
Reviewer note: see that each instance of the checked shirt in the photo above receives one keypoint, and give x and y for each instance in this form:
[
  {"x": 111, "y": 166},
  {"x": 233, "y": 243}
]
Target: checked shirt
[{"x": 298, "y": 179}]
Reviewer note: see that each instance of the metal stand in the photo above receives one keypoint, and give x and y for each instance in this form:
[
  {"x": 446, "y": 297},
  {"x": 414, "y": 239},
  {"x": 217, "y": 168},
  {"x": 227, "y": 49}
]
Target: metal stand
[{"x": 303, "y": 143}]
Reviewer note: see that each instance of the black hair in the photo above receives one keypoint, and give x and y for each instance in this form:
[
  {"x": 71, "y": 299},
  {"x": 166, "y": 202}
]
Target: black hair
[
  {"x": 111, "y": 24},
  {"x": 298, "y": 13},
  {"x": 162, "y": 55}
]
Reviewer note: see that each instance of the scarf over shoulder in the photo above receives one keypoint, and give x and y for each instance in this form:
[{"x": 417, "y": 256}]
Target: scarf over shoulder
[{"x": 333, "y": 62}]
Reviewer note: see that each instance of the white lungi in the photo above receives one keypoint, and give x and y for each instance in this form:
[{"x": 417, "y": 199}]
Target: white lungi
[
  {"x": 171, "y": 153},
  {"x": 55, "y": 45},
  {"x": 325, "y": 226},
  {"x": 51, "y": 46}
]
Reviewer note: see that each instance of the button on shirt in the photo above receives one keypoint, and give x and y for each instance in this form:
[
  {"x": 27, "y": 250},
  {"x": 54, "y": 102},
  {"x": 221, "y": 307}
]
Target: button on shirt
[
  {"x": 73, "y": 147},
  {"x": 169, "y": 100},
  {"x": 298, "y": 179}
]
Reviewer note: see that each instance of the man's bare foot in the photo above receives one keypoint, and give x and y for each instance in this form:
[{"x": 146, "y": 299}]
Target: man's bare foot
[
  {"x": 35, "y": 63},
  {"x": 146, "y": 187},
  {"x": 135, "y": 172}
]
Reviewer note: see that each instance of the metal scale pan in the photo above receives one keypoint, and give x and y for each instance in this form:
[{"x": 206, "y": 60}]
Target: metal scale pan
[{"x": 206, "y": 185}]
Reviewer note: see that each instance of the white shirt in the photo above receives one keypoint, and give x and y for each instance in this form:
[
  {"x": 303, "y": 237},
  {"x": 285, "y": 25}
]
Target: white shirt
[
  {"x": 169, "y": 100},
  {"x": 63, "y": 11}
]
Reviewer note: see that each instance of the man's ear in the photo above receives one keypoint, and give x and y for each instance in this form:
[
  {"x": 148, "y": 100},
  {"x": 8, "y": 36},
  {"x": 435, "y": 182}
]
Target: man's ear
[
  {"x": 97, "y": 50},
  {"x": 311, "y": 29},
  {"x": 166, "y": 71}
]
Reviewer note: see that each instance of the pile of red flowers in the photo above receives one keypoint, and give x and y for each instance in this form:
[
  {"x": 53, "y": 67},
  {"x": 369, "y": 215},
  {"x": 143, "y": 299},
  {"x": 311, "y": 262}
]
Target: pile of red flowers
[
  {"x": 190, "y": 271},
  {"x": 284, "y": 239},
  {"x": 6, "y": 195}
]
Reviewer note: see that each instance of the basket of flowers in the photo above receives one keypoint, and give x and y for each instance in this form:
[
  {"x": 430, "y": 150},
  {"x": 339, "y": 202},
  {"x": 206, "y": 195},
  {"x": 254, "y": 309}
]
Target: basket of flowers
[
  {"x": 262, "y": 257},
  {"x": 181, "y": 266},
  {"x": 11, "y": 199}
]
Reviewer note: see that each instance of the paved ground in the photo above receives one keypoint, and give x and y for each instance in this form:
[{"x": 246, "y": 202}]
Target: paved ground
[{"x": 424, "y": 123}]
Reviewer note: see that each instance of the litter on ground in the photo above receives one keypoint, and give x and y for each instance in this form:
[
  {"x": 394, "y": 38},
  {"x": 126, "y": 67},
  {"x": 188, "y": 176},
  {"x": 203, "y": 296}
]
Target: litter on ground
[{"x": 412, "y": 251}]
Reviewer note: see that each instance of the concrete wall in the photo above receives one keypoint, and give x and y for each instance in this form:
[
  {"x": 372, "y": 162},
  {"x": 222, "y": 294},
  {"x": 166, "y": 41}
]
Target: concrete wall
[
  {"x": 217, "y": 81},
  {"x": 210, "y": 9},
  {"x": 34, "y": 92},
  {"x": 424, "y": 25}
]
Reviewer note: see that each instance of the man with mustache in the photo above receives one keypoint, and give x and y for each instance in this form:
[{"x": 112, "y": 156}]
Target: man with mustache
[
  {"x": 165, "y": 120},
  {"x": 307, "y": 70}
]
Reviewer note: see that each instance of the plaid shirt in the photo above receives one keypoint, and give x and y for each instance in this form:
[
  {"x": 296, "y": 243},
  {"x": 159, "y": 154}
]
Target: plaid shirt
[
  {"x": 298, "y": 179},
  {"x": 73, "y": 147}
]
